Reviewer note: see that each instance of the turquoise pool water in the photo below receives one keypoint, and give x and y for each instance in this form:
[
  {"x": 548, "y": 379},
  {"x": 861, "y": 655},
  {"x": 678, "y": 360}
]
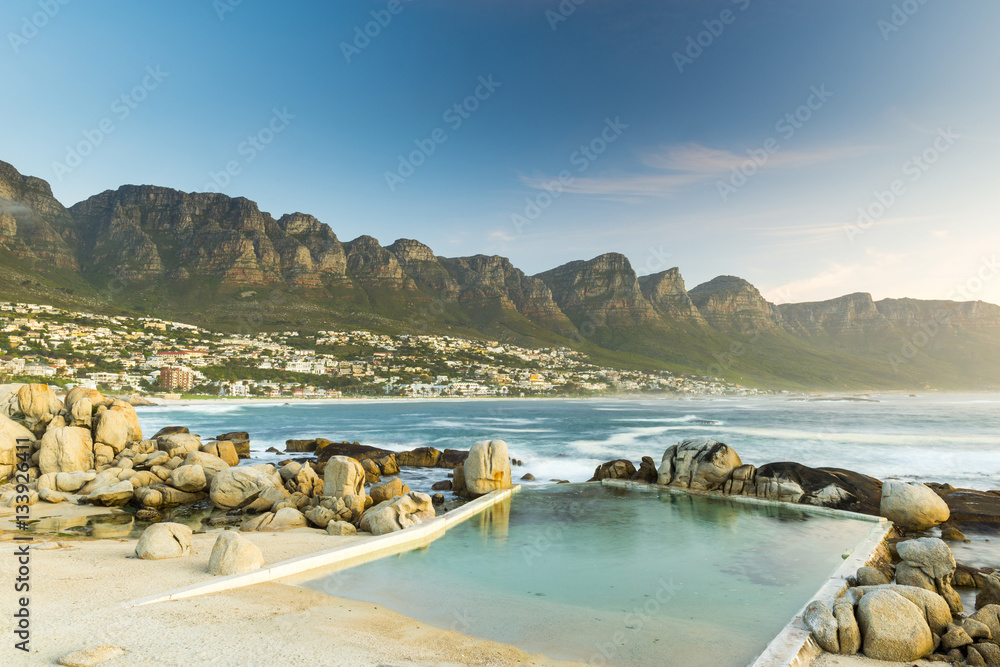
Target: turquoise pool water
[{"x": 614, "y": 576}]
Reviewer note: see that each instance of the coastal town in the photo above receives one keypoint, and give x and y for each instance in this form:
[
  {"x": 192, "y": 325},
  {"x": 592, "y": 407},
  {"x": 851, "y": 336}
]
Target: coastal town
[{"x": 154, "y": 357}]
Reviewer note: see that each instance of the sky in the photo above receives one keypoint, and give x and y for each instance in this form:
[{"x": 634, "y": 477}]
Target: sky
[{"x": 814, "y": 148}]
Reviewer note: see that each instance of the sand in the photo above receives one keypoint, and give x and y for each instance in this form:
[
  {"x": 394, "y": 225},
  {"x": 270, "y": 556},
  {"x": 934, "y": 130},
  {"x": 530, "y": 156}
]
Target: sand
[{"x": 78, "y": 588}]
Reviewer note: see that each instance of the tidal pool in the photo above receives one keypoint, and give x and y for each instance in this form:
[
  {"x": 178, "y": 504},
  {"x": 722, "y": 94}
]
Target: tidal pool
[{"x": 614, "y": 576}]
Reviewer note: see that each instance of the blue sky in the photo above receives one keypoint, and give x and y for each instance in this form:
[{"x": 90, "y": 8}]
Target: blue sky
[{"x": 665, "y": 122}]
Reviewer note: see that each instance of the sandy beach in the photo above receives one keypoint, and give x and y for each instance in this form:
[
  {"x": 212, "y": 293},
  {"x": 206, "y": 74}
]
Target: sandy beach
[{"x": 79, "y": 587}]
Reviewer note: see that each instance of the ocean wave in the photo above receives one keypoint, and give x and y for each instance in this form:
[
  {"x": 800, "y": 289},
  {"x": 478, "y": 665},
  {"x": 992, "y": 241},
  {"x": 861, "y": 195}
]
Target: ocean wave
[{"x": 695, "y": 419}]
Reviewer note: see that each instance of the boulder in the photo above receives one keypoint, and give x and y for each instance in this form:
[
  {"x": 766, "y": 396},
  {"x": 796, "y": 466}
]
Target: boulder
[
  {"x": 305, "y": 481},
  {"x": 933, "y": 607},
  {"x": 487, "y": 468},
  {"x": 326, "y": 449},
  {"x": 238, "y": 486},
  {"x": 234, "y": 554},
  {"x": 646, "y": 472},
  {"x": 164, "y": 540},
  {"x": 976, "y": 630},
  {"x": 912, "y": 506},
  {"x": 955, "y": 637},
  {"x": 222, "y": 449},
  {"x": 823, "y": 625},
  {"x": 928, "y": 563},
  {"x": 189, "y": 478},
  {"x": 388, "y": 490},
  {"x": 240, "y": 441},
  {"x": 421, "y": 457},
  {"x": 158, "y": 496},
  {"x": 990, "y": 593},
  {"x": 170, "y": 430},
  {"x": 114, "y": 495},
  {"x": 112, "y": 429},
  {"x": 990, "y": 617},
  {"x": 286, "y": 518},
  {"x": 212, "y": 465},
  {"x": 71, "y": 482},
  {"x": 392, "y": 515},
  {"x": 617, "y": 469},
  {"x": 893, "y": 628},
  {"x": 797, "y": 483},
  {"x": 10, "y": 433},
  {"x": 458, "y": 481},
  {"x": 697, "y": 463},
  {"x": 387, "y": 464},
  {"x": 77, "y": 394},
  {"x": 451, "y": 458},
  {"x": 341, "y": 528},
  {"x": 300, "y": 446},
  {"x": 848, "y": 632},
  {"x": 178, "y": 444},
  {"x": 343, "y": 476},
  {"x": 38, "y": 403},
  {"x": 320, "y": 516},
  {"x": 872, "y": 576},
  {"x": 443, "y": 485},
  {"x": 66, "y": 449},
  {"x": 372, "y": 471}
]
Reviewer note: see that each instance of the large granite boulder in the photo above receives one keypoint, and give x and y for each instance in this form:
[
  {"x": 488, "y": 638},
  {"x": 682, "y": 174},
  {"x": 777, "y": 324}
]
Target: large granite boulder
[
  {"x": 912, "y": 506},
  {"x": 10, "y": 433},
  {"x": 451, "y": 458},
  {"x": 928, "y": 563},
  {"x": 189, "y": 478},
  {"x": 306, "y": 481},
  {"x": 112, "y": 495},
  {"x": 972, "y": 508},
  {"x": 79, "y": 404},
  {"x": 240, "y": 441},
  {"x": 646, "y": 472},
  {"x": 893, "y": 628},
  {"x": 617, "y": 469},
  {"x": 223, "y": 449},
  {"x": 343, "y": 476},
  {"x": 112, "y": 429},
  {"x": 396, "y": 514},
  {"x": 38, "y": 403},
  {"x": 178, "y": 444},
  {"x": 127, "y": 410},
  {"x": 990, "y": 617},
  {"x": 211, "y": 465},
  {"x": 487, "y": 468},
  {"x": 823, "y": 626},
  {"x": 848, "y": 630},
  {"x": 990, "y": 593},
  {"x": 239, "y": 486},
  {"x": 164, "y": 540},
  {"x": 234, "y": 554},
  {"x": 158, "y": 496},
  {"x": 934, "y": 608},
  {"x": 66, "y": 449},
  {"x": 697, "y": 463}
]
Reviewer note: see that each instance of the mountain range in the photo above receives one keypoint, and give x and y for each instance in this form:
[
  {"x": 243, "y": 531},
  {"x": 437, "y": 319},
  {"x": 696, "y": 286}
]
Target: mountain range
[{"x": 221, "y": 262}]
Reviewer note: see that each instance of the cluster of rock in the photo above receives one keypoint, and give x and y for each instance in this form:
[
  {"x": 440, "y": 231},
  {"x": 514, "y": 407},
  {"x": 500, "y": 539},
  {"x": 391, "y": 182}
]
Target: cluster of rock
[
  {"x": 231, "y": 554},
  {"x": 708, "y": 465},
  {"x": 907, "y": 610}
]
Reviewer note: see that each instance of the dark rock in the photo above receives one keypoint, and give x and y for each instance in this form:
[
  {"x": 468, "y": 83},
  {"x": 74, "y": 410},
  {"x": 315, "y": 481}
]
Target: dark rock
[
  {"x": 226, "y": 520},
  {"x": 952, "y": 534},
  {"x": 826, "y": 487},
  {"x": 990, "y": 594},
  {"x": 169, "y": 430},
  {"x": 458, "y": 480},
  {"x": 274, "y": 450},
  {"x": 438, "y": 499},
  {"x": 148, "y": 514},
  {"x": 617, "y": 469},
  {"x": 646, "y": 472},
  {"x": 451, "y": 458},
  {"x": 421, "y": 457},
  {"x": 528, "y": 477},
  {"x": 444, "y": 485},
  {"x": 325, "y": 449},
  {"x": 971, "y": 507},
  {"x": 300, "y": 445}
]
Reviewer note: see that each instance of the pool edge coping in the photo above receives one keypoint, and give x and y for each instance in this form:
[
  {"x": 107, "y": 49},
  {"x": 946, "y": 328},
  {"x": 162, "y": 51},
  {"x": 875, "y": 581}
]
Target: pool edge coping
[
  {"x": 794, "y": 645},
  {"x": 378, "y": 545}
]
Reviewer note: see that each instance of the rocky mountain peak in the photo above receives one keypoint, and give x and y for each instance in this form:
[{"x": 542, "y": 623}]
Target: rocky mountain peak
[{"x": 732, "y": 304}]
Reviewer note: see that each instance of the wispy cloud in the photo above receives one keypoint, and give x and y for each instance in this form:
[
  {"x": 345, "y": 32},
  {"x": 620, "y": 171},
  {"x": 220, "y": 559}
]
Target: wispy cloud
[{"x": 673, "y": 168}]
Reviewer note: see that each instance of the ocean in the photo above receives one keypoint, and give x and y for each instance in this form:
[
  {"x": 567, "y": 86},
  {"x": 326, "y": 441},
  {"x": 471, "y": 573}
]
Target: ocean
[{"x": 949, "y": 438}]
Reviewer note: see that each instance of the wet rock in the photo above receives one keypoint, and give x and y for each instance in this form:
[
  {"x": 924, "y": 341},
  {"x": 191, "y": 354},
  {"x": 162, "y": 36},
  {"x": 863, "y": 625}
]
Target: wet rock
[
  {"x": 421, "y": 457},
  {"x": 990, "y": 593},
  {"x": 617, "y": 469},
  {"x": 443, "y": 485},
  {"x": 487, "y": 468},
  {"x": 437, "y": 499},
  {"x": 646, "y": 472},
  {"x": 300, "y": 446},
  {"x": 343, "y": 476},
  {"x": 326, "y": 449},
  {"x": 234, "y": 554},
  {"x": 821, "y": 622},
  {"x": 458, "y": 481},
  {"x": 952, "y": 534},
  {"x": 972, "y": 509},
  {"x": 527, "y": 477},
  {"x": 697, "y": 463},
  {"x": 912, "y": 506},
  {"x": 274, "y": 450},
  {"x": 388, "y": 464},
  {"x": 893, "y": 628},
  {"x": 164, "y": 540},
  {"x": 148, "y": 514},
  {"x": 451, "y": 458}
]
